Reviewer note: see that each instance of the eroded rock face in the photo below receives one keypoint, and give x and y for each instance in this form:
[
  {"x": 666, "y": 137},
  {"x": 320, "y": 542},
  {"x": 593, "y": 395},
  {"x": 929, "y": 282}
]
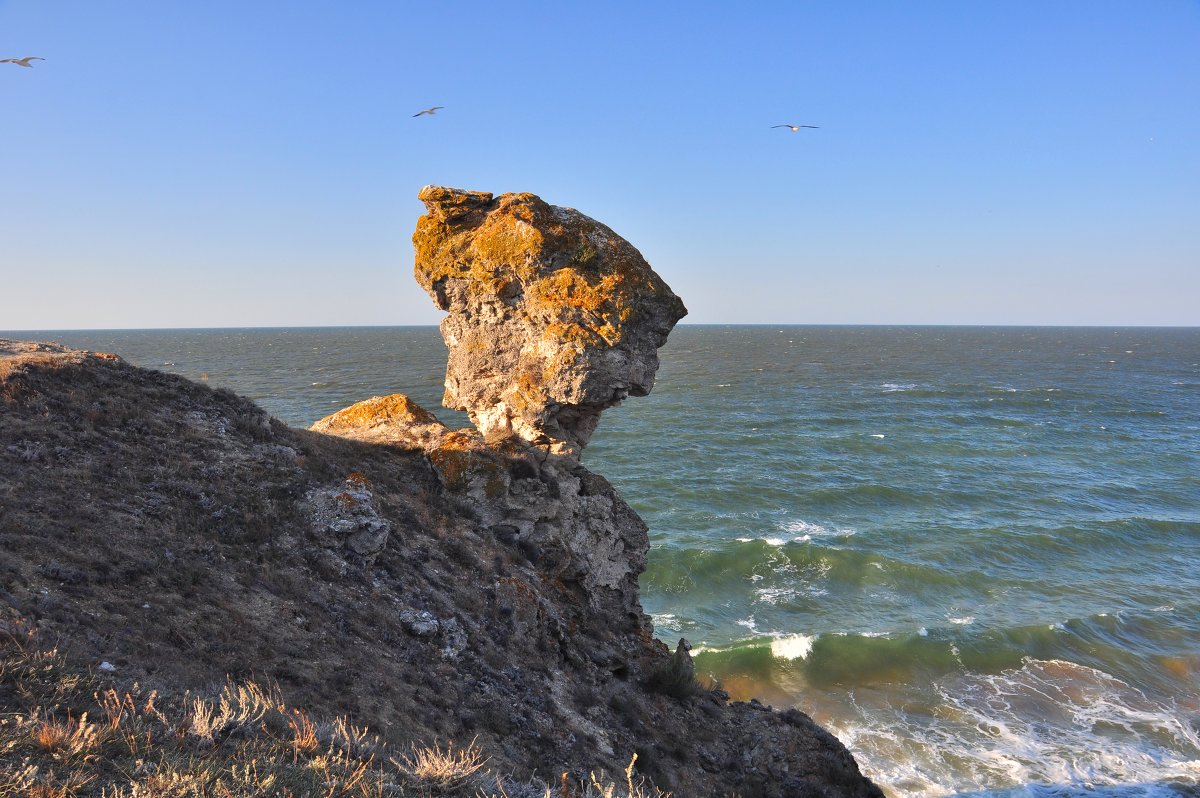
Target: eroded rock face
[
  {"x": 553, "y": 316},
  {"x": 569, "y": 520}
]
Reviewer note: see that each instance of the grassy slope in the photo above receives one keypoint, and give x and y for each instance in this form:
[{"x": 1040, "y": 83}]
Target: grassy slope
[{"x": 66, "y": 731}]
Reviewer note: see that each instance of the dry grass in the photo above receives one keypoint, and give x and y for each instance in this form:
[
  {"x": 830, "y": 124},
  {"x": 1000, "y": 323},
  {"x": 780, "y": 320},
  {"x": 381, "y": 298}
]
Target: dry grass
[
  {"x": 448, "y": 769},
  {"x": 64, "y": 734}
]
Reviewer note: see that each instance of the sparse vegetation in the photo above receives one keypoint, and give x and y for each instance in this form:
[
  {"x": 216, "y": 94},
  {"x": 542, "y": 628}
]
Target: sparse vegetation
[{"x": 67, "y": 733}]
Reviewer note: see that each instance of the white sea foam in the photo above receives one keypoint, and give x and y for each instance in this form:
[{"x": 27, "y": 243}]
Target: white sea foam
[
  {"x": 892, "y": 387},
  {"x": 667, "y": 621},
  {"x": 878, "y": 435},
  {"x": 792, "y": 647},
  {"x": 1016, "y": 733},
  {"x": 806, "y": 530},
  {"x": 770, "y": 541},
  {"x": 775, "y": 595},
  {"x": 963, "y": 620}
]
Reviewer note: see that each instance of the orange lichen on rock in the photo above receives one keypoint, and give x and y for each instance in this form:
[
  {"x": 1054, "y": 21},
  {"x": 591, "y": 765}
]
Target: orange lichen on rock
[
  {"x": 394, "y": 419},
  {"x": 553, "y": 316},
  {"x": 396, "y": 408}
]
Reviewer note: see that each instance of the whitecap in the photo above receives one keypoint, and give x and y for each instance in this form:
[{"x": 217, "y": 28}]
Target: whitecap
[
  {"x": 666, "y": 620},
  {"x": 774, "y": 595},
  {"x": 963, "y": 620},
  {"x": 878, "y": 435},
  {"x": 792, "y": 647},
  {"x": 808, "y": 530}
]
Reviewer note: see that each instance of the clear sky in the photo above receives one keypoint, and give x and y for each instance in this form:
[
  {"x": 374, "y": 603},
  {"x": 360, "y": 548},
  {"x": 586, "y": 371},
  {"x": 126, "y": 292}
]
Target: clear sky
[{"x": 222, "y": 163}]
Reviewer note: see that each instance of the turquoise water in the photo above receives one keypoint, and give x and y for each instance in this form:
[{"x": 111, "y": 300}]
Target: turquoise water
[{"x": 971, "y": 552}]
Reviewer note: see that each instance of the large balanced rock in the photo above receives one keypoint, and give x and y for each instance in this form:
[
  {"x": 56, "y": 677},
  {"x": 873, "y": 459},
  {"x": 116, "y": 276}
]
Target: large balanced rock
[{"x": 553, "y": 316}]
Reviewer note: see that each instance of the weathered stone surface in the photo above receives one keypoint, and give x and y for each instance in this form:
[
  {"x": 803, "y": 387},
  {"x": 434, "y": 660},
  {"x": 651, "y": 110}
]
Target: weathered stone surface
[
  {"x": 571, "y": 521},
  {"x": 553, "y": 317},
  {"x": 346, "y": 517}
]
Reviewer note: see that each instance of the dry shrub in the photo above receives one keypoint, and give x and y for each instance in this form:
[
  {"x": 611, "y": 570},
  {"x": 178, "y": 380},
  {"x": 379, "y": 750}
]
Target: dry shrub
[
  {"x": 444, "y": 769},
  {"x": 239, "y": 707},
  {"x": 601, "y": 788},
  {"x": 355, "y": 741},
  {"x": 304, "y": 734},
  {"x": 68, "y": 739}
]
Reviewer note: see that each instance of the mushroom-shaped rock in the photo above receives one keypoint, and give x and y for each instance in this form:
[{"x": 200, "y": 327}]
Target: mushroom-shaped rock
[{"x": 553, "y": 317}]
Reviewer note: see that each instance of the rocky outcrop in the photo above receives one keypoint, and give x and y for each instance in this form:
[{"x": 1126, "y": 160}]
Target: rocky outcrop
[
  {"x": 567, "y": 519},
  {"x": 432, "y": 583},
  {"x": 553, "y": 317},
  {"x": 424, "y": 582}
]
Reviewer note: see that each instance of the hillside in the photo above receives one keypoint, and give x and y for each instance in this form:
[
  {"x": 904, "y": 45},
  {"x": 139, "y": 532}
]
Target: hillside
[{"x": 183, "y": 536}]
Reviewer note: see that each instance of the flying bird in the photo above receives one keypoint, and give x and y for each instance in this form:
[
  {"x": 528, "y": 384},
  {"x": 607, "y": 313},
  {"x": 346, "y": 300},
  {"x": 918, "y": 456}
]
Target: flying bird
[
  {"x": 22, "y": 61},
  {"x": 429, "y": 111},
  {"x": 795, "y": 128}
]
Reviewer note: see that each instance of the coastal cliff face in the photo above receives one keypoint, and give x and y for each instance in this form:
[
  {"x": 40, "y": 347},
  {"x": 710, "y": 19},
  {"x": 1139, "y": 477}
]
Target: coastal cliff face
[{"x": 431, "y": 583}]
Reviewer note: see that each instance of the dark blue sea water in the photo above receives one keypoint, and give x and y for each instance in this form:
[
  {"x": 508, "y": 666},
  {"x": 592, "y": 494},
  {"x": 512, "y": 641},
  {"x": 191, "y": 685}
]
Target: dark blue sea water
[{"x": 971, "y": 552}]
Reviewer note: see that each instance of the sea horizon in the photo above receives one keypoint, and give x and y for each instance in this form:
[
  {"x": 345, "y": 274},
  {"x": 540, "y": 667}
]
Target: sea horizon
[{"x": 914, "y": 325}]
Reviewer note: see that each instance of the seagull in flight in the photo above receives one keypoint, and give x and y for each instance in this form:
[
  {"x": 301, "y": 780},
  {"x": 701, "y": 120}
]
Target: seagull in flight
[
  {"x": 22, "y": 61},
  {"x": 795, "y": 128},
  {"x": 429, "y": 111}
]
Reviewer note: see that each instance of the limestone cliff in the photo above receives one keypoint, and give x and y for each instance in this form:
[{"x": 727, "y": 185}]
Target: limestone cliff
[
  {"x": 553, "y": 317},
  {"x": 431, "y": 583}
]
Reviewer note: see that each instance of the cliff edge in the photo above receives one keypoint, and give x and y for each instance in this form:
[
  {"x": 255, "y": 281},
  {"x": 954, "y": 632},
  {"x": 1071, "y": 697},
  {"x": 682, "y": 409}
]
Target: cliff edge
[{"x": 431, "y": 583}]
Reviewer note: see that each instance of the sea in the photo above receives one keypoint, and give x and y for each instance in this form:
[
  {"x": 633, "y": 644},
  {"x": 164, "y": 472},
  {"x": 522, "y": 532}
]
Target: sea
[{"x": 973, "y": 553}]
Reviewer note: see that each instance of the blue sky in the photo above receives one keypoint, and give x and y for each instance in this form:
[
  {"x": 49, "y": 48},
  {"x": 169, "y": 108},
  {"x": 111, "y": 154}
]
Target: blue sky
[{"x": 223, "y": 163}]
